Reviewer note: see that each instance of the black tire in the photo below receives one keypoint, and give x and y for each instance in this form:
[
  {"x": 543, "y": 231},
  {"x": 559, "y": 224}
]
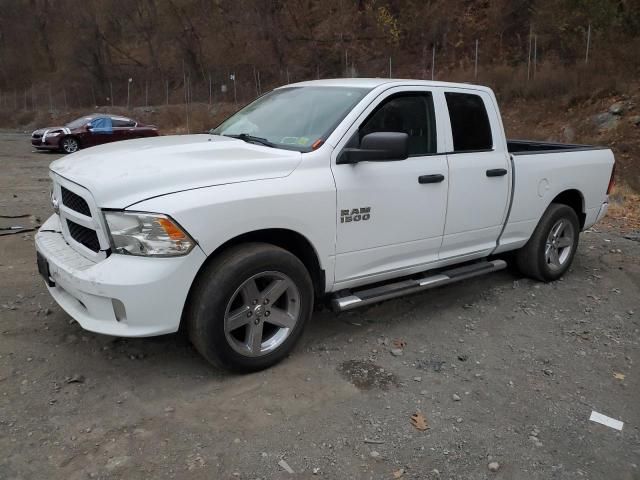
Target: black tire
[
  {"x": 219, "y": 285},
  {"x": 532, "y": 259},
  {"x": 69, "y": 144}
]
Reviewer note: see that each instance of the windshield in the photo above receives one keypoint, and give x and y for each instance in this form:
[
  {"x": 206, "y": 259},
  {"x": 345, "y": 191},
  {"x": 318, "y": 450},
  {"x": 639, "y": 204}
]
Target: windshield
[
  {"x": 78, "y": 122},
  {"x": 294, "y": 118}
]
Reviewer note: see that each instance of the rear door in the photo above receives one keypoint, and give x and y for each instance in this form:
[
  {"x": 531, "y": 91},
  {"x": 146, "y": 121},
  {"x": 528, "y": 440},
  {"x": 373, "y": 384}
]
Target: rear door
[
  {"x": 479, "y": 174},
  {"x": 389, "y": 222},
  {"x": 122, "y": 129}
]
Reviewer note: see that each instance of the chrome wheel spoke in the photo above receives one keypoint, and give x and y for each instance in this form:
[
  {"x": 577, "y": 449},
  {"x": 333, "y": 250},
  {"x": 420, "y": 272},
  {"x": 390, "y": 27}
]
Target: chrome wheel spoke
[
  {"x": 557, "y": 230},
  {"x": 547, "y": 252},
  {"x": 275, "y": 290},
  {"x": 555, "y": 259},
  {"x": 238, "y": 318},
  {"x": 254, "y": 338},
  {"x": 564, "y": 242},
  {"x": 281, "y": 318},
  {"x": 250, "y": 292}
]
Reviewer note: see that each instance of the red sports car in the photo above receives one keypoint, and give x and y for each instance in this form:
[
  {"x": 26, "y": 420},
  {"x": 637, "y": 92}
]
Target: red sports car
[{"x": 88, "y": 131}]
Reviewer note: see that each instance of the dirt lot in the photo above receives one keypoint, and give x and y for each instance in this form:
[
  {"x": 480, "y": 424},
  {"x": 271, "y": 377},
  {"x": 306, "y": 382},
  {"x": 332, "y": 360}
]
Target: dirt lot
[{"x": 504, "y": 369}]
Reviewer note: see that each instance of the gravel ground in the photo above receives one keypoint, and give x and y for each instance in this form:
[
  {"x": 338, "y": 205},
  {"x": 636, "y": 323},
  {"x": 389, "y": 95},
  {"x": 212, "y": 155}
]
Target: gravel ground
[{"x": 504, "y": 370}]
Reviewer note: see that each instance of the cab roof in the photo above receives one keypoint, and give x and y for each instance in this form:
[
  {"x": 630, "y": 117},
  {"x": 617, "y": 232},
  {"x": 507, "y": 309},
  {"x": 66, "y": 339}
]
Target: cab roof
[{"x": 371, "y": 83}]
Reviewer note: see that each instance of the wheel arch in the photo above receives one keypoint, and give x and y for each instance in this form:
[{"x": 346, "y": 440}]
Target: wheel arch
[
  {"x": 289, "y": 240},
  {"x": 575, "y": 199}
]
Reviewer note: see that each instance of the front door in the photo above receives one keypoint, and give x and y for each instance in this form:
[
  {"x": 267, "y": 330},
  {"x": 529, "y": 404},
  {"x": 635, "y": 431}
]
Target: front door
[
  {"x": 391, "y": 214},
  {"x": 101, "y": 131}
]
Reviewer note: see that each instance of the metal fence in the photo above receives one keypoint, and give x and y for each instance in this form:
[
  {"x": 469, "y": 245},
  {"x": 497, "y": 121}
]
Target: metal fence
[{"x": 240, "y": 83}]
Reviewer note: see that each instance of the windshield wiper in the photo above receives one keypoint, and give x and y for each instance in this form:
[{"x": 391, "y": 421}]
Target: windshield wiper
[{"x": 251, "y": 139}]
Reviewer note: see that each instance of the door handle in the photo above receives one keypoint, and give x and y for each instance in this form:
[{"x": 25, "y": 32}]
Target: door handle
[
  {"x": 496, "y": 172},
  {"x": 436, "y": 178}
]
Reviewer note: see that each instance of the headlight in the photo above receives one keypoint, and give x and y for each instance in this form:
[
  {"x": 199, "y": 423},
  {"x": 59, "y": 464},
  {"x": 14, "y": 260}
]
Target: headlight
[
  {"x": 147, "y": 234},
  {"x": 54, "y": 134}
]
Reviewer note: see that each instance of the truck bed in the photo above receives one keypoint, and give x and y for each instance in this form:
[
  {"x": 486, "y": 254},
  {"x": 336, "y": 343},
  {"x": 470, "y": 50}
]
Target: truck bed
[{"x": 531, "y": 147}]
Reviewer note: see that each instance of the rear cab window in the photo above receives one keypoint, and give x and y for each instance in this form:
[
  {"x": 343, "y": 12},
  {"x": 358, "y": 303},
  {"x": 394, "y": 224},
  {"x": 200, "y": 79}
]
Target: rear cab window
[{"x": 470, "y": 126}]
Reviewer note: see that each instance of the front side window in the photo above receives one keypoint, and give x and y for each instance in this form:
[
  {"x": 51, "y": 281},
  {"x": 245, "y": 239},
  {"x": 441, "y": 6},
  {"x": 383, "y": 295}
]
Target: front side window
[
  {"x": 294, "y": 118},
  {"x": 412, "y": 114},
  {"x": 470, "y": 125},
  {"x": 101, "y": 125}
]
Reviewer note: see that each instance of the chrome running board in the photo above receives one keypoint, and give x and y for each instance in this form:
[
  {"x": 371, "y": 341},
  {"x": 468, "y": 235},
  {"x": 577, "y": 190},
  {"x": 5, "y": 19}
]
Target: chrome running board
[{"x": 360, "y": 298}]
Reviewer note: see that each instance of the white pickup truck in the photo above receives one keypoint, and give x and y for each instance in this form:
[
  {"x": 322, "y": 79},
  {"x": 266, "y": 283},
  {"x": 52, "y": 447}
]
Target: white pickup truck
[{"x": 349, "y": 191}]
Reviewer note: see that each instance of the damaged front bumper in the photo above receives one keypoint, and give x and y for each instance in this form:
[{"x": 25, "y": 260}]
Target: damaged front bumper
[{"x": 122, "y": 295}]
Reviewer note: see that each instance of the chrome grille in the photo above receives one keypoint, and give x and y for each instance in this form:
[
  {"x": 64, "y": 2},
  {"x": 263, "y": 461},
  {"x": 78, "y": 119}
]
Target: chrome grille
[
  {"x": 83, "y": 227},
  {"x": 75, "y": 202}
]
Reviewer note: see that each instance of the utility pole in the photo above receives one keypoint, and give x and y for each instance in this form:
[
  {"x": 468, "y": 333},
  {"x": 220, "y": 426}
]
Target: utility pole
[
  {"x": 255, "y": 80},
  {"x": 586, "y": 57},
  {"x": 433, "y": 62},
  {"x": 232, "y": 77},
  {"x": 535, "y": 55},
  {"x": 210, "y": 89},
  {"x": 529, "y": 58},
  {"x": 475, "y": 69},
  {"x": 186, "y": 96},
  {"x": 346, "y": 63},
  {"x": 129, "y": 91}
]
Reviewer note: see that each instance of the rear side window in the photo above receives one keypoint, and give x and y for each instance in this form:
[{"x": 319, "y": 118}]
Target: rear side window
[
  {"x": 469, "y": 122},
  {"x": 412, "y": 114},
  {"x": 122, "y": 122}
]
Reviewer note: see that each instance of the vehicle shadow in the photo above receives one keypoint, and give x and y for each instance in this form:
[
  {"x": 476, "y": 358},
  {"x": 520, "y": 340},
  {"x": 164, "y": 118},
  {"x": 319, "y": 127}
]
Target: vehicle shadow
[{"x": 173, "y": 354}]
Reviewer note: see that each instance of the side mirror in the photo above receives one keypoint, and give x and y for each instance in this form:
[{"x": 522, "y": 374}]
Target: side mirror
[
  {"x": 89, "y": 127},
  {"x": 377, "y": 147}
]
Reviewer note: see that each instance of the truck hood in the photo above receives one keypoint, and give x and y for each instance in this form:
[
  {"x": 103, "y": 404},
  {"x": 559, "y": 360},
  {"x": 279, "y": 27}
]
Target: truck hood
[{"x": 123, "y": 173}]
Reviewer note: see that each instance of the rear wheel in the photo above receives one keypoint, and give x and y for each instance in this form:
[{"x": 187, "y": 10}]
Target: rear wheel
[
  {"x": 69, "y": 145},
  {"x": 249, "y": 307},
  {"x": 550, "y": 251}
]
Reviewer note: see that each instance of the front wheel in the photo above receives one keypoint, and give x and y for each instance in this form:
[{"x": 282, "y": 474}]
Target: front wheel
[
  {"x": 249, "y": 307},
  {"x": 69, "y": 145},
  {"x": 550, "y": 251}
]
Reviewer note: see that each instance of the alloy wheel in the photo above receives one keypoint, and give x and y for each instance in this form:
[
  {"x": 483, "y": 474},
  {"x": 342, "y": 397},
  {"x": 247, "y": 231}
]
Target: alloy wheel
[
  {"x": 559, "y": 244},
  {"x": 262, "y": 313},
  {"x": 70, "y": 145}
]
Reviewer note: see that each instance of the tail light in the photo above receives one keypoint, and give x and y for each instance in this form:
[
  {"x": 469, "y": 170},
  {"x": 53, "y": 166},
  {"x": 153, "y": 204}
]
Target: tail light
[{"x": 612, "y": 180}]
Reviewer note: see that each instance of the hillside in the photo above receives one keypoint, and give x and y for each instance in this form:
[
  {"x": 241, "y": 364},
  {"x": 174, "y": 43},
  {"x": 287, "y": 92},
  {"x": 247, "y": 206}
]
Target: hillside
[
  {"x": 557, "y": 66},
  {"x": 88, "y": 52}
]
